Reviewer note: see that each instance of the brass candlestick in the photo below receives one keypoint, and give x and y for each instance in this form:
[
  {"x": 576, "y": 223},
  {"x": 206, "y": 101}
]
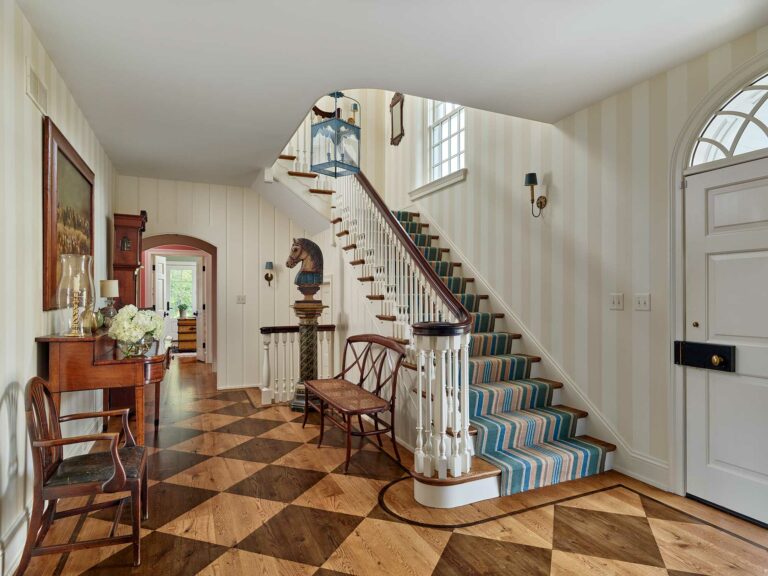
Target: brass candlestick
[{"x": 74, "y": 329}]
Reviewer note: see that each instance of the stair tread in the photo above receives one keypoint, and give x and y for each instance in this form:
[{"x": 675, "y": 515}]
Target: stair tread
[
  {"x": 342, "y": 233},
  {"x": 606, "y": 445},
  {"x": 375, "y": 296},
  {"x": 386, "y": 317},
  {"x": 357, "y": 262},
  {"x": 298, "y": 174},
  {"x": 286, "y": 157},
  {"x": 336, "y": 220},
  {"x": 553, "y": 383},
  {"x": 321, "y": 191}
]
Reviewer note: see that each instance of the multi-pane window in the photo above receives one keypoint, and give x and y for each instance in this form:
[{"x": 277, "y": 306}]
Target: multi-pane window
[
  {"x": 446, "y": 138},
  {"x": 182, "y": 289},
  {"x": 739, "y": 127}
]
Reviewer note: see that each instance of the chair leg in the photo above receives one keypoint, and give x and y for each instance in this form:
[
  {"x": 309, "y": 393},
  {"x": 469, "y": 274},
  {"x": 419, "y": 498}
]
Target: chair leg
[
  {"x": 136, "y": 521},
  {"x": 35, "y": 518},
  {"x": 145, "y": 494},
  {"x": 349, "y": 443},
  {"x": 376, "y": 427},
  {"x": 394, "y": 441},
  {"x": 322, "y": 423}
]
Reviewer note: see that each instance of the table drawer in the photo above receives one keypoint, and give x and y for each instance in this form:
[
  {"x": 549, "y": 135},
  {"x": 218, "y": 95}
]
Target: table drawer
[{"x": 187, "y": 329}]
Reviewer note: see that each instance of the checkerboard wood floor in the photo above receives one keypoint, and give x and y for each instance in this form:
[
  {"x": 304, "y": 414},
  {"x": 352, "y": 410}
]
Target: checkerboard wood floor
[{"x": 238, "y": 488}]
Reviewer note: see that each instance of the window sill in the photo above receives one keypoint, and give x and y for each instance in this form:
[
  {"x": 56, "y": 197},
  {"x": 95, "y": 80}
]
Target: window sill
[{"x": 439, "y": 184}]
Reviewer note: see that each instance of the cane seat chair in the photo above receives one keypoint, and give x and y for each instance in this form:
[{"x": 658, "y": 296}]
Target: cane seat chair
[
  {"x": 367, "y": 385},
  {"x": 117, "y": 470}
]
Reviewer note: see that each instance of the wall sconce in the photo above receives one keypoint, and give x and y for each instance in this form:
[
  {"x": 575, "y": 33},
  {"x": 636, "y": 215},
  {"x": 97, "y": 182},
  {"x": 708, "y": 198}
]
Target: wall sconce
[
  {"x": 531, "y": 181},
  {"x": 268, "y": 266}
]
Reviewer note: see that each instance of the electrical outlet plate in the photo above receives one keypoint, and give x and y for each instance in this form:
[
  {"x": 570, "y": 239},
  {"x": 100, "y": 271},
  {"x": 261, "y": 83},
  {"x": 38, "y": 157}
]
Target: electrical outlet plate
[
  {"x": 241, "y": 298},
  {"x": 642, "y": 301},
  {"x": 616, "y": 301}
]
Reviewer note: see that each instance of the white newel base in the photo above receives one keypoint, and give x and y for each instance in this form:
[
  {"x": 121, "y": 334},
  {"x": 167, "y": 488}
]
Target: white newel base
[{"x": 455, "y": 495}]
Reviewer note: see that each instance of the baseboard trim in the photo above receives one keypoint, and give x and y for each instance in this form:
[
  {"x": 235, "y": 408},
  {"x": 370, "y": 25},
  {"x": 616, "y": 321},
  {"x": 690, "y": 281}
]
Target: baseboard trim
[{"x": 629, "y": 461}]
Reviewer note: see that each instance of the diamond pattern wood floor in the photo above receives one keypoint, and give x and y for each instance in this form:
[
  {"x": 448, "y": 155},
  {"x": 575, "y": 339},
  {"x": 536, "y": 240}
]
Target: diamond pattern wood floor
[{"x": 241, "y": 489}]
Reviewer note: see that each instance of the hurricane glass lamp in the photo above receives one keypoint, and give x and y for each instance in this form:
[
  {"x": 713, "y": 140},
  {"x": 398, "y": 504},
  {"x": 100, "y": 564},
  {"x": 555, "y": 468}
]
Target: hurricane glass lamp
[{"x": 335, "y": 149}]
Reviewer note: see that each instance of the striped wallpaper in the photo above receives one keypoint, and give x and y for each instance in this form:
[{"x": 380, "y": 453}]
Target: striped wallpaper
[
  {"x": 21, "y": 254},
  {"x": 606, "y": 169}
]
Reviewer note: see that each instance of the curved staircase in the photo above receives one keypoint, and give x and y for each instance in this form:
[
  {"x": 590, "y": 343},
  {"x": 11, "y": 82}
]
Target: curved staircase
[{"x": 510, "y": 419}]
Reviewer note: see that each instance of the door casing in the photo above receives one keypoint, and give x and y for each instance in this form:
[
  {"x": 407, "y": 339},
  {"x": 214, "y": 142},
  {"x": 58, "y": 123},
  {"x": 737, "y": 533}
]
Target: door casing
[{"x": 679, "y": 169}]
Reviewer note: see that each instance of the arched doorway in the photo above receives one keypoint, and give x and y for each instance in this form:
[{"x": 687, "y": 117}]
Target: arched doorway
[
  {"x": 719, "y": 270},
  {"x": 177, "y": 243}
]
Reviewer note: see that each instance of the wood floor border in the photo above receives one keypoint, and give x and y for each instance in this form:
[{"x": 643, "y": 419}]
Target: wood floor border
[{"x": 389, "y": 511}]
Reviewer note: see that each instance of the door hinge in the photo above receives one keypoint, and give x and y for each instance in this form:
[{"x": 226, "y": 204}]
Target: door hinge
[
  {"x": 203, "y": 344},
  {"x": 153, "y": 267},
  {"x": 203, "y": 268},
  {"x": 203, "y": 306},
  {"x": 684, "y": 184}
]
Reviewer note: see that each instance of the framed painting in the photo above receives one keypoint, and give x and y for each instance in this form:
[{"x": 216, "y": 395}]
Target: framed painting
[{"x": 67, "y": 207}]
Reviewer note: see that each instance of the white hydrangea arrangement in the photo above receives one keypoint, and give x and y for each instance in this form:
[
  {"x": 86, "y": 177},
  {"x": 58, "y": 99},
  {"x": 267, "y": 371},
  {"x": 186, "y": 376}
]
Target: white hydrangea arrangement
[{"x": 131, "y": 324}]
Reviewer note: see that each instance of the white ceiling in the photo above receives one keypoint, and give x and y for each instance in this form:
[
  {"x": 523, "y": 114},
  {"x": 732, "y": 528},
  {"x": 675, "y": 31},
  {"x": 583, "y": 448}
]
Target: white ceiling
[{"x": 211, "y": 90}]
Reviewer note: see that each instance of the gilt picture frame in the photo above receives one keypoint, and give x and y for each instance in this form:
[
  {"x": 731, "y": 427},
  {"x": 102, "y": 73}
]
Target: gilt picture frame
[
  {"x": 67, "y": 206},
  {"x": 396, "y": 118}
]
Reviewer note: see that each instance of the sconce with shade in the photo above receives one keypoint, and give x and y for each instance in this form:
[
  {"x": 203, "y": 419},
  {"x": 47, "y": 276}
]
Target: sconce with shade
[
  {"x": 268, "y": 266},
  {"x": 531, "y": 181},
  {"x": 109, "y": 289}
]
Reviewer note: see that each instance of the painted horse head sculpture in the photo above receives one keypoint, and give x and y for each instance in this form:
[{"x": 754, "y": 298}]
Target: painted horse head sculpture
[{"x": 310, "y": 275}]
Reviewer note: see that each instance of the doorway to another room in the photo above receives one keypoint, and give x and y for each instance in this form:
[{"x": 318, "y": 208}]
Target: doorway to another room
[{"x": 178, "y": 280}]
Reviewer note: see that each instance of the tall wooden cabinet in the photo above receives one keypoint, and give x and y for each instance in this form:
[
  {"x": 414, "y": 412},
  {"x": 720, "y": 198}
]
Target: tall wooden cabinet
[{"x": 126, "y": 255}]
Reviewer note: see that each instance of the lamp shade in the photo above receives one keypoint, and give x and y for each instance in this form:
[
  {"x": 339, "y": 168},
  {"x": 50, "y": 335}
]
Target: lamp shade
[
  {"x": 109, "y": 289},
  {"x": 268, "y": 265},
  {"x": 531, "y": 180}
]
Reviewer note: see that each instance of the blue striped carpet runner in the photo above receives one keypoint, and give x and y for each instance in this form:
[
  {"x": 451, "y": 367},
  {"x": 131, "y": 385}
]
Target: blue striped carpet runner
[{"x": 533, "y": 443}]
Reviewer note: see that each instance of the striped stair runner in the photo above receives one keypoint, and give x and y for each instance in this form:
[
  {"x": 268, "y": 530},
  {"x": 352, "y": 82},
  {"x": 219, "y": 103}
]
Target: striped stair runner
[{"x": 532, "y": 442}]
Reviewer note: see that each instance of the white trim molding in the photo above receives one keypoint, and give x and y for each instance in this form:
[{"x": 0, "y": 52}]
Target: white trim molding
[{"x": 437, "y": 185}]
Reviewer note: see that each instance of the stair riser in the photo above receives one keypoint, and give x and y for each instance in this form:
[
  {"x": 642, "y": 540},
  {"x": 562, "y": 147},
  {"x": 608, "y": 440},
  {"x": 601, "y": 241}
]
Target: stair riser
[
  {"x": 500, "y": 397},
  {"x": 490, "y": 344},
  {"x": 495, "y": 369},
  {"x": 504, "y": 431},
  {"x": 519, "y": 436},
  {"x": 483, "y": 322}
]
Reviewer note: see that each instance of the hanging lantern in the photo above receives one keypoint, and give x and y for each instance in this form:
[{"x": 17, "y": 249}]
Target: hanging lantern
[{"x": 336, "y": 137}]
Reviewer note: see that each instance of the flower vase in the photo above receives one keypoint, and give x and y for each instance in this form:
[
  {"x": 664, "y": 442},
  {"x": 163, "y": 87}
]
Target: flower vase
[{"x": 136, "y": 348}]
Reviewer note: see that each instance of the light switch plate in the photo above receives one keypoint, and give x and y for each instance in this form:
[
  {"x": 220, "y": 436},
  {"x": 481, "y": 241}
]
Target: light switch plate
[
  {"x": 241, "y": 298},
  {"x": 616, "y": 301},
  {"x": 642, "y": 301}
]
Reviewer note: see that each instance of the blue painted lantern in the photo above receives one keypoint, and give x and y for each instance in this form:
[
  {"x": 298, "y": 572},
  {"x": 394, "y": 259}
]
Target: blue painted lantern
[{"x": 336, "y": 137}]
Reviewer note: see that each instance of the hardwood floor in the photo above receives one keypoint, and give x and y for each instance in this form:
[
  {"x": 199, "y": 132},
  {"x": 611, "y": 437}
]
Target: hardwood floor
[{"x": 237, "y": 488}]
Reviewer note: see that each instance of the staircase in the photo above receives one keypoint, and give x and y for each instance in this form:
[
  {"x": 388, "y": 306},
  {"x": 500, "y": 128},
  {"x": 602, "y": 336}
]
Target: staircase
[
  {"x": 502, "y": 433},
  {"x": 515, "y": 424}
]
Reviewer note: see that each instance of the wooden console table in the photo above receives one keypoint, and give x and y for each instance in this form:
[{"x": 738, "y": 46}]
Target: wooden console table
[{"x": 95, "y": 363}]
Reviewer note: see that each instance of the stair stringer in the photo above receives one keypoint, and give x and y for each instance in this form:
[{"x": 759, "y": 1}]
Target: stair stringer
[
  {"x": 627, "y": 460},
  {"x": 299, "y": 187}
]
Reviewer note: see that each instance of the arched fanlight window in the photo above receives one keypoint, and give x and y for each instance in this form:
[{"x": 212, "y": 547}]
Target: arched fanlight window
[{"x": 739, "y": 127}]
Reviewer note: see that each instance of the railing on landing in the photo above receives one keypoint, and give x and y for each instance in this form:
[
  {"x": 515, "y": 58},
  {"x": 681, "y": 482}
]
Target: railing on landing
[
  {"x": 280, "y": 362},
  {"x": 425, "y": 315}
]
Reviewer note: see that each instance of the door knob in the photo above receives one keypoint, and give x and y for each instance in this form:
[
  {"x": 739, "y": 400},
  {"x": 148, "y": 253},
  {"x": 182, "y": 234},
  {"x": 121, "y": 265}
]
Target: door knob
[
  {"x": 717, "y": 360},
  {"x": 695, "y": 324}
]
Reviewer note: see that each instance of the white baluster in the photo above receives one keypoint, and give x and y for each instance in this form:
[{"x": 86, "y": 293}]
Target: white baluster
[
  {"x": 266, "y": 390},
  {"x": 418, "y": 455}
]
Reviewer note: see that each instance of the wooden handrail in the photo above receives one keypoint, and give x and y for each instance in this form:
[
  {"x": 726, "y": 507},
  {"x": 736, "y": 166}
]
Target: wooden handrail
[
  {"x": 462, "y": 326},
  {"x": 295, "y": 329}
]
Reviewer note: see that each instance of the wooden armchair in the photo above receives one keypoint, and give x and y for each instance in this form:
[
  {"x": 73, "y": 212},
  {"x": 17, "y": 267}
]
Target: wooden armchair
[
  {"x": 371, "y": 359},
  {"x": 119, "y": 469}
]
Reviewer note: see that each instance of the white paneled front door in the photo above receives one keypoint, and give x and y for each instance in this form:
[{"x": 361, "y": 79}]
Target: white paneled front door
[{"x": 726, "y": 237}]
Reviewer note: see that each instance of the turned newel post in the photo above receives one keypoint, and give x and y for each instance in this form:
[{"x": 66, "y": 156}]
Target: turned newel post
[{"x": 308, "y": 310}]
